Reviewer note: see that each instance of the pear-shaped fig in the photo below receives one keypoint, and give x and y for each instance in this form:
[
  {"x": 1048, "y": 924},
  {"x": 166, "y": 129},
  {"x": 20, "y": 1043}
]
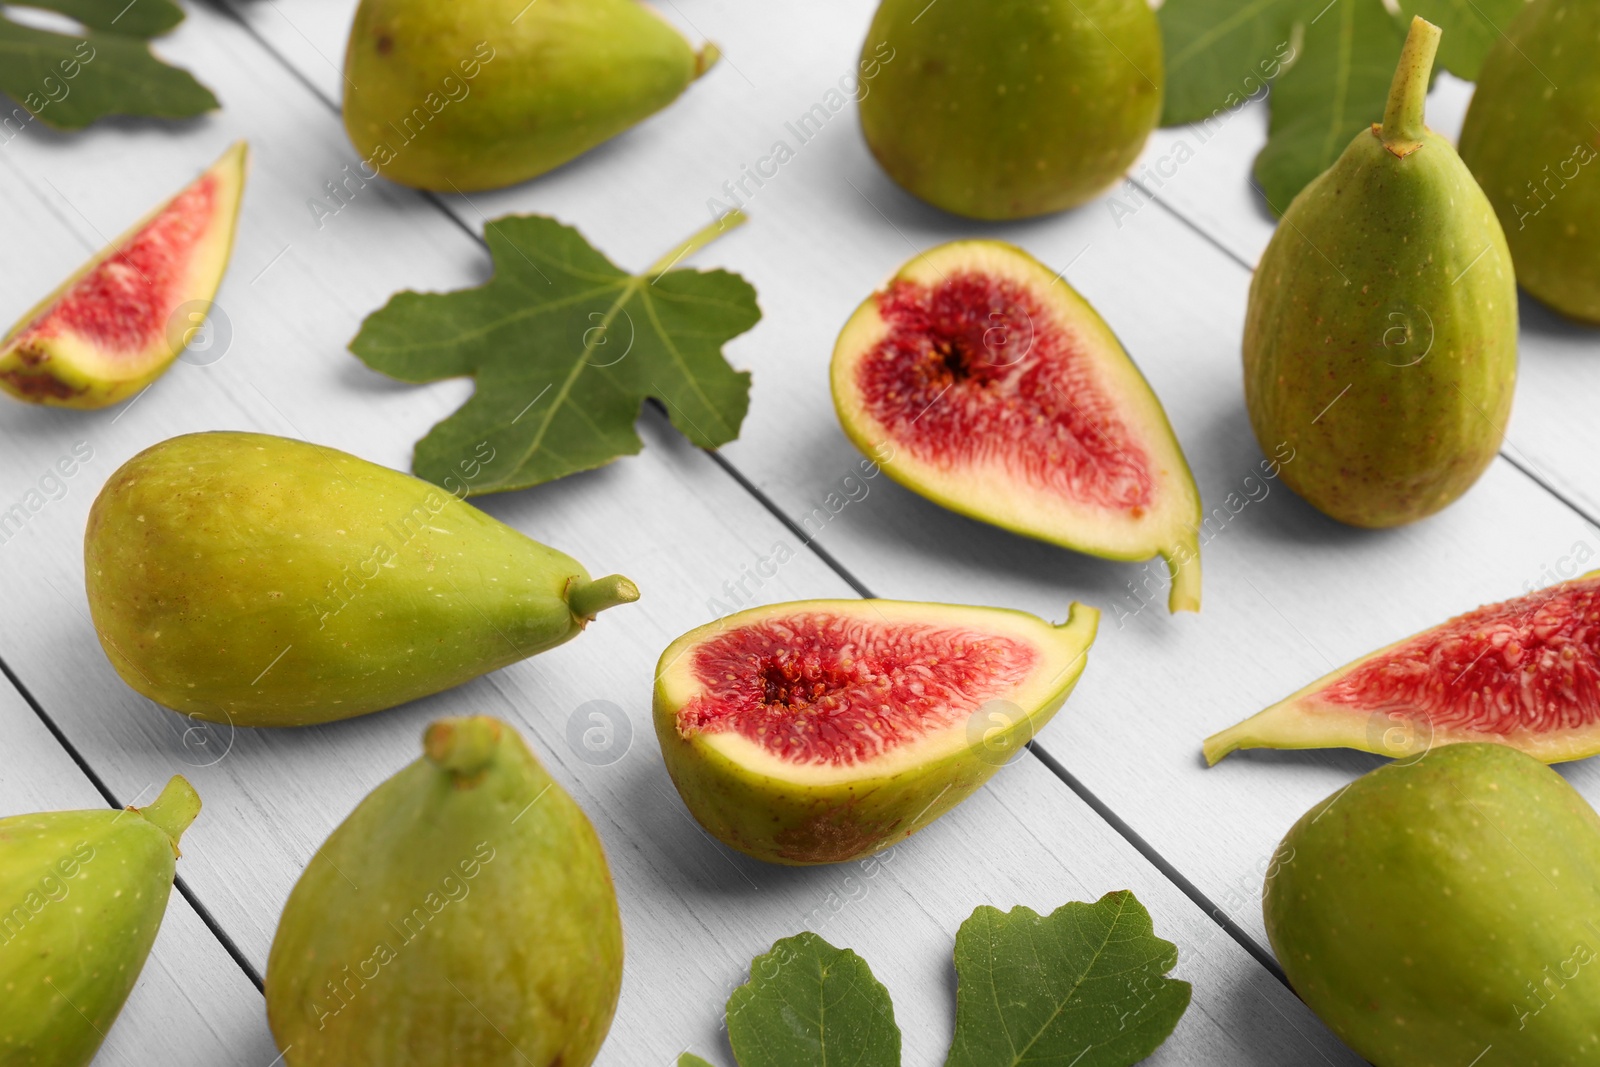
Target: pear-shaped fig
[
  {"x": 825, "y": 730},
  {"x": 1531, "y": 140},
  {"x": 251, "y": 579},
  {"x": 1524, "y": 672},
  {"x": 85, "y": 893},
  {"x": 114, "y": 326},
  {"x": 462, "y": 914},
  {"x": 478, "y": 94},
  {"x": 1381, "y": 337},
  {"x": 1443, "y": 911},
  {"x": 979, "y": 378},
  {"x": 1003, "y": 109}
]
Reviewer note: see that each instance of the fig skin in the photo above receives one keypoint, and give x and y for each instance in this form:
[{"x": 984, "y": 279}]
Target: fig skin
[
  {"x": 260, "y": 581},
  {"x": 794, "y": 815},
  {"x": 1443, "y": 905},
  {"x": 86, "y": 893},
  {"x": 1529, "y": 139},
  {"x": 478, "y": 94},
  {"x": 1006, "y": 109},
  {"x": 1381, "y": 335},
  {"x": 484, "y": 931}
]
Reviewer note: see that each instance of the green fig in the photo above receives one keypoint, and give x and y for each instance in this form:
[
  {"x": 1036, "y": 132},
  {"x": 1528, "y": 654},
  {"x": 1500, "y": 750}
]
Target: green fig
[
  {"x": 1530, "y": 137},
  {"x": 1446, "y": 912},
  {"x": 462, "y": 914},
  {"x": 1380, "y": 340},
  {"x": 479, "y": 94},
  {"x": 1003, "y": 109},
  {"x": 256, "y": 580},
  {"x": 84, "y": 892}
]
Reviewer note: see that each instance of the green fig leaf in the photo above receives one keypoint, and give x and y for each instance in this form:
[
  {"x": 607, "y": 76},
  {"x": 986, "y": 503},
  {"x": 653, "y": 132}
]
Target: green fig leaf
[
  {"x": 808, "y": 1004},
  {"x": 689, "y": 1059},
  {"x": 1083, "y": 985},
  {"x": 1470, "y": 28},
  {"x": 1334, "y": 90},
  {"x": 1222, "y": 52},
  {"x": 565, "y": 347},
  {"x": 69, "y": 81}
]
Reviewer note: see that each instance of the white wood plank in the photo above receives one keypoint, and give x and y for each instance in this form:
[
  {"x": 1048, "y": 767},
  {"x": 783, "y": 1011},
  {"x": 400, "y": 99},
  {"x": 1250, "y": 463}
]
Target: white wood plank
[
  {"x": 192, "y": 1006},
  {"x": 695, "y": 913}
]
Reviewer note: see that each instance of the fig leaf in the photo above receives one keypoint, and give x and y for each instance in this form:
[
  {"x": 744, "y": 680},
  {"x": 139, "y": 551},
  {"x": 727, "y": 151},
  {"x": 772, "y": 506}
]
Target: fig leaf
[
  {"x": 1470, "y": 27},
  {"x": 1083, "y": 985},
  {"x": 689, "y": 1059},
  {"x": 565, "y": 347},
  {"x": 808, "y": 1004},
  {"x": 68, "y": 81},
  {"x": 1223, "y": 52}
]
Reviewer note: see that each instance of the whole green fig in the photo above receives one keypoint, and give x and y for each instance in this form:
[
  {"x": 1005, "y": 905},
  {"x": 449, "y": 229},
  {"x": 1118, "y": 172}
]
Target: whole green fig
[
  {"x": 462, "y": 914},
  {"x": 1002, "y": 109},
  {"x": 256, "y": 580},
  {"x": 1438, "y": 909},
  {"x": 84, "y": 892},
  {"x": 1380, "y": 340},
  {"x": 1530, "y": 137},
  {"x": 458, "y": 95}
]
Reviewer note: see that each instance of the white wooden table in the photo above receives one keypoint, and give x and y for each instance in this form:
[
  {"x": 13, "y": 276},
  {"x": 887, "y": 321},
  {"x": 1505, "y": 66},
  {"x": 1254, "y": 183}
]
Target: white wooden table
[{"x": 1116, "y": 797}]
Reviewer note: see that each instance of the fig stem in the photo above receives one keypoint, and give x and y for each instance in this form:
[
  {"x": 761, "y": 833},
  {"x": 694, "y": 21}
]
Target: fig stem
[
  {"x": 1403, "y": 127},
  {"x": 588, "y": 599},
  {"x": 174, "y": 809},
  {"x": 732, "y": 220},
  {"x": 706, "y": 58},
  {"x": 465, "y": 747},
  {"x": 1184, "y": 563}
]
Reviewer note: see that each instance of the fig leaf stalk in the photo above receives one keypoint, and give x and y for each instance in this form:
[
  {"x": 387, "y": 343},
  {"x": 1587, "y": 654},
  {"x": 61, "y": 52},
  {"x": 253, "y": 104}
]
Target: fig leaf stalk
[{"x": 1403, "y": 127}]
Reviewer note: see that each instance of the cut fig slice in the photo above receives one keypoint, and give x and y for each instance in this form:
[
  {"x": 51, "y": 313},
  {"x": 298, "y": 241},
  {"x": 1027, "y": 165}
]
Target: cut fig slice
[
  {"x": 979, "y": 378},
  {"x": 825, "y": 730},
  {"x": 1524, "y": 673},
  {"x": 124, "y": 316}
]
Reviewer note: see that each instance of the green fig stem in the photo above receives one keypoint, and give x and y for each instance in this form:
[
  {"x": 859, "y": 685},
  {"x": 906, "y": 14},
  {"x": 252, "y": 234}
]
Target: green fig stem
[
  {"x": 465, "y": 746},
  {"x": 1403, "y": 127},
  {"x": 732, "y": 220},
  {"x": 174, "y": 809},
  {"x": 588, "y": 599},
  {"x": 706, "y": 58},
  {"x": 1184, "y": 563}
]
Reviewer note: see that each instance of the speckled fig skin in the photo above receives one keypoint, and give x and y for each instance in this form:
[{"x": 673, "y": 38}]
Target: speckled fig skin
[
  {"x": 1381, "y": 336},
  {"x": 84, "y": 893},
  {"x": 477, "y": 94},
  {"x": 1530, "y": 139},
  {"x": 1445, "y": 905},
  {"x": 462, "y": 914},
  {"x": 261, "y": 581},
  {"x": 1004, "y": 109}
]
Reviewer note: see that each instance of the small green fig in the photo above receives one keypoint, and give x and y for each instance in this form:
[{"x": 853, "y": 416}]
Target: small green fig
[
  {"x": 1440, "y": 908},
  {"x": 458, "y": 95},
  {"x": 251, "y": 579},
  {"x": 1003, "y": 109},
  {"x": 1530, "y": 138},
  {"x": 84, "y": 892},
  {"x": 462, "y": 914},
  {"x": 1381, "y": 336}
]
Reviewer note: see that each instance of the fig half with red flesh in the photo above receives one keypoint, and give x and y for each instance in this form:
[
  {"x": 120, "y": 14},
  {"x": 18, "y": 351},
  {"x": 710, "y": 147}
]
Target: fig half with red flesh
[
  {"x": 980, "y": 379},
  {"x": 124, "y": 316},
  {"x": 822, "y": 731},
  {"x": 1524, "y": 672}
]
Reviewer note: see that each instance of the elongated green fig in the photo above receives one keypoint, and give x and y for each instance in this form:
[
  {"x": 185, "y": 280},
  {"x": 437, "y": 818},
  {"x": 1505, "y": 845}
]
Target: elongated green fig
[
  {"x": 1381, "y": 337},
  {"x": 1446, "y": 912},
  {"x": 1531, "y": 138},
  {"x": 979, "y": 378},
  {"x": 825, "y": 730},
  {"x": 84, "y": 894},
  {"x": 251, "y": 579},
  {"x": 462, "y": 914},
  {"x": 1524, "y": 672},
  {"x": 1003, "y": 109},
  {"x": 477, "y": 94}
]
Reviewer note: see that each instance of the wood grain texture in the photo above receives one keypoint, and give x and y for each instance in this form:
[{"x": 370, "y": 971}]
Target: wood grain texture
[{"x": 695, "y": 913}]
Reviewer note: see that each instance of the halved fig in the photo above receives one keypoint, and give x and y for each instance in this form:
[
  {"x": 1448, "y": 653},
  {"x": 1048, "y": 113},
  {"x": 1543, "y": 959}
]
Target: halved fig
[
  {"x": 123, "y": 317},
  {"x": 979, "y": 378},
  {"x": 825, "y": 730},
  {"x": 1524, "y": 672}
]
